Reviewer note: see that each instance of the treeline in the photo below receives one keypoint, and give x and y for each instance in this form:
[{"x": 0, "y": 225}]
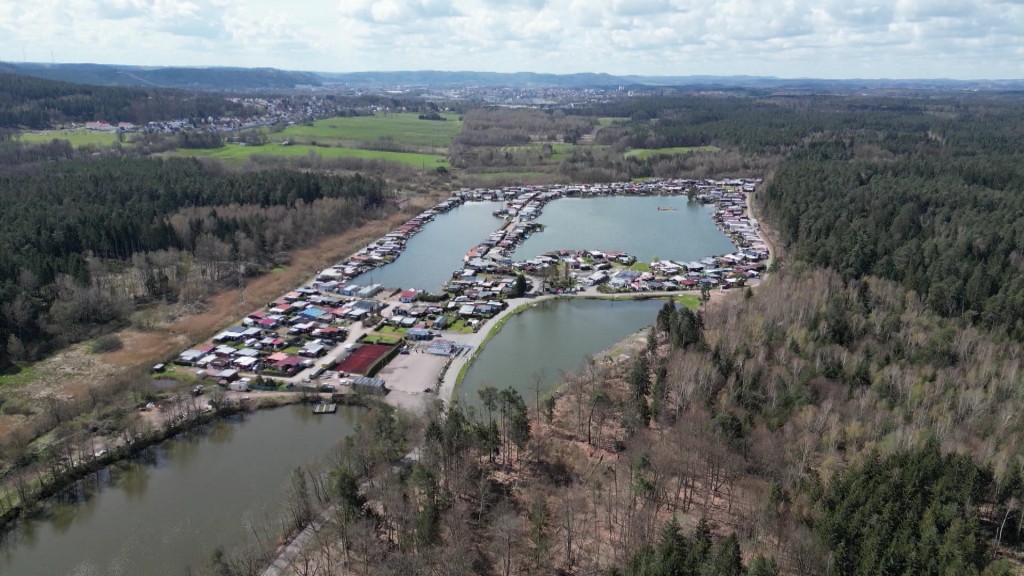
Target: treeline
[
  {"x": 72, "y": 232},
  {"x": 596, "y": 164},
  {"x": 485, "y": 128},
  {"x": 35, "y": 103},
  {"x": 941, "y": 219}
]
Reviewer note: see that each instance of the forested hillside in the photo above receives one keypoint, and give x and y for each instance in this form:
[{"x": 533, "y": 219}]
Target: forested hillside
[
  {"x": 27, "y": 102},
  {"x": 937, "y": 210},
  {"x": 81, "y": 240}
]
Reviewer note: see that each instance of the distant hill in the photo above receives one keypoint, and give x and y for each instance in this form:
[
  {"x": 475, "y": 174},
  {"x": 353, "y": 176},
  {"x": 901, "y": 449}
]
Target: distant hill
[
  {"x": 212, "y": 79},
  {"x": 39, "y": 103},
  {"x": 443, "y": 79},
  {"x": 263, "y": 79}
]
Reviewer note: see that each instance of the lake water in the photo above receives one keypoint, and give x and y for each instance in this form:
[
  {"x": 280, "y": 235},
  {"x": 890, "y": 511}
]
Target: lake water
[
  {"x": 431, "y": 256},
  {"x": 631, "y": 224},
  {"x": 556, "y": 336},
  {"x": 626, "y": 223},
  {"x": 193, "y": 495}
]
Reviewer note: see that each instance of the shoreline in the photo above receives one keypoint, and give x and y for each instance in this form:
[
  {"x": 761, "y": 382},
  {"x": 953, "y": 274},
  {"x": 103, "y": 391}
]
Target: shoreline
[
  {"x": 451, "y": 384},
  {"x": 232, "y": 407}
]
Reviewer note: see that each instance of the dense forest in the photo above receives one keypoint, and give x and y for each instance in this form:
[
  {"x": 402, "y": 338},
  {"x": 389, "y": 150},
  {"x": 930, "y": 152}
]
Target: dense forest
[
  {"x": 82, "y": 239},
  {"x": 27, "y": 102}
]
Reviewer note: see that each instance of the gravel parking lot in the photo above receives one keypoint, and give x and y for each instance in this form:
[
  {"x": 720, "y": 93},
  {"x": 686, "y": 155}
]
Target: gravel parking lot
[{"x": 408, "y": 375}]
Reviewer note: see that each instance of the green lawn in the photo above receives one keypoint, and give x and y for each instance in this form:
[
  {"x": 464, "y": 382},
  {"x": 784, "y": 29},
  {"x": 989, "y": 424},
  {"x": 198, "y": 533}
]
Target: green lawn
[
  {"x": 75, "y": 137},
  {"x": 460, "y": 326},
  {"x": 691, "y": 301},
  {"x": 237, "y": 153},
  {"x": 645, "y": 152},
  {"x": 24, "y": 376},
  {"x": 378, "y": 338},
  {"x": 404, "y": 129}
]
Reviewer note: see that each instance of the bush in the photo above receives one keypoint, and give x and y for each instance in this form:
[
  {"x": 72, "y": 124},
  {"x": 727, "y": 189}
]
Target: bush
[{"x": 106, "y": 343}]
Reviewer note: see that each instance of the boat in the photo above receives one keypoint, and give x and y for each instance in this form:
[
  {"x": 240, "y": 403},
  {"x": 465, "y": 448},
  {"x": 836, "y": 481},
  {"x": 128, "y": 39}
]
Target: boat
[{"x": 666, "y": 209}]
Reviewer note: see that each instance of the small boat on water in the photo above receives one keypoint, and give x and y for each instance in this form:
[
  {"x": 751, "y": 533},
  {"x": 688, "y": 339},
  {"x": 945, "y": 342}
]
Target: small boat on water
[{"x": 666, "y": 209}]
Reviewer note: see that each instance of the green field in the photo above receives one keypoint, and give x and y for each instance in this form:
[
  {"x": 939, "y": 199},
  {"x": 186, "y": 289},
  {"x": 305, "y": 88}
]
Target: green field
[
  {"x": 24, "y": 376},
  {"x": 378, "y": 338},
  {"x": 405, "y": 129},
  {"x": 75, "y": 137},
  {"x": 691, "y": 301},
  {"x": 237, "y": 153},
  {"x": 645, "y": 152}
]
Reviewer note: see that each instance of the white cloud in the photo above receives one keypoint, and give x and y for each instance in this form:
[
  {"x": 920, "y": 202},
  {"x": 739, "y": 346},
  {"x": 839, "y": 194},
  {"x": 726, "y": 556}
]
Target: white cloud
[{"x": 826, "y": 38}]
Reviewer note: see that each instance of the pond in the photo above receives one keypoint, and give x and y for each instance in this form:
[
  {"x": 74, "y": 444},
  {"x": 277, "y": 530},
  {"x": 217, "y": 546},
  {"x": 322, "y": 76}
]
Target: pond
[
  {"x": 431, "y": 256},
  {"x": 183, "y": 499},
  {"x": 552, "y": 337},
  {"x": 668, "y": 227}
]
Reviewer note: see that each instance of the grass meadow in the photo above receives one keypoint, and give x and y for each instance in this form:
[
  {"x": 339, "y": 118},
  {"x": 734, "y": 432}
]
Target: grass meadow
[
  {"x": 235, "y": 153},
  {"x": 77, "y": 138},
  {"x": 645, "y": 152},
  {"x": 404, "y": 129}
]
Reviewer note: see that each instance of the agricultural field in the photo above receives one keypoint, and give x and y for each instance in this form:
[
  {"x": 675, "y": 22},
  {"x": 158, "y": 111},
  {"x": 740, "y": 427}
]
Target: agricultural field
[
  {"x": 405, "y": 129},
  {"x": 234, "y": 153},
  {"x": 77, "y": 138},
  {"x": 646, "y": 152}
]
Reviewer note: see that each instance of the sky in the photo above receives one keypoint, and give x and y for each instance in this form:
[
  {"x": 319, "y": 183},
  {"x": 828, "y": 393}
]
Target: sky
[{"x": 964, "y": 39}]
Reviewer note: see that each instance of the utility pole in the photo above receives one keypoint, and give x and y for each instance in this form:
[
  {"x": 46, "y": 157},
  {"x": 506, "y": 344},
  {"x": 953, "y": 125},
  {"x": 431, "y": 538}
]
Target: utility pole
[{"x": 241, "y": 282}]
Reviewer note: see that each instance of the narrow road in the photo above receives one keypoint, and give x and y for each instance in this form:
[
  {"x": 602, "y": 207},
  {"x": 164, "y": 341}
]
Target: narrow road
[{"x": 283, "y": 563}]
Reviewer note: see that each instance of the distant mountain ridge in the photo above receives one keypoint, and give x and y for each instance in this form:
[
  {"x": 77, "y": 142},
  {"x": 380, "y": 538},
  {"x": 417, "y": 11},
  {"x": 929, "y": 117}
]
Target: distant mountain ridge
[
  {"x": 215, "y": 79},
  {"x": 270, "y": 79}
]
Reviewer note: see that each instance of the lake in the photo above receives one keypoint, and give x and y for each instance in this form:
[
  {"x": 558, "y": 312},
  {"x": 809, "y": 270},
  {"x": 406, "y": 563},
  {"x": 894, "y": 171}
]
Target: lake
[
  {"x": 191, "y": 495},
  {"x": 555, "y": 335},
  {"x": 431, "y": 256},
  {"x": 633, "y": 224}
]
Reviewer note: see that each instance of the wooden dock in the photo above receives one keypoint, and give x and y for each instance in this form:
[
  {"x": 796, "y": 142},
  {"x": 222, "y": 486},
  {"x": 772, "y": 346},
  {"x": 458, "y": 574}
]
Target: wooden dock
[{"x": 325, "y": 408}]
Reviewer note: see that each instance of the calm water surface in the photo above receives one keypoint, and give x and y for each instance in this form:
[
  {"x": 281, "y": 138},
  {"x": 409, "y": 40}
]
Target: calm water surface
[
  {"x": 195, "y": 494},
  {"x": 631, "y": 224},
  {"x": 556, "y": 336},
  {"x": 431, "y": 256}
]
